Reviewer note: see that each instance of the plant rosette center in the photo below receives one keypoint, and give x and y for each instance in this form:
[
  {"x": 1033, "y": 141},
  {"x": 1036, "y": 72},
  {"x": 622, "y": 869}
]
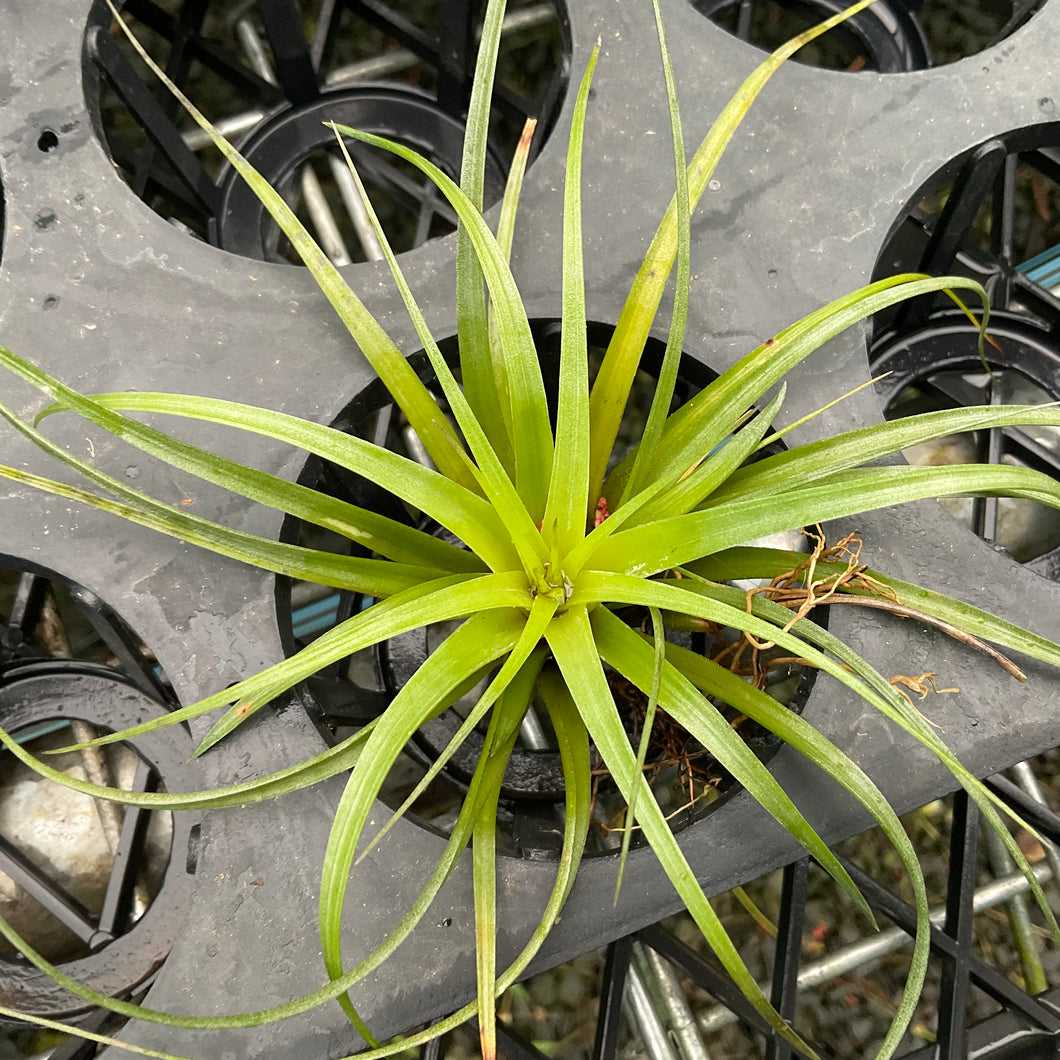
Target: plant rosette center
[{"x": 550, "y": 580}]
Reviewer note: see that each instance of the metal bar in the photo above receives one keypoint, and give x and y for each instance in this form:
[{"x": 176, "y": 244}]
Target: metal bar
[
  {"x": 254, "y": 49},
  {"x": 743, "y": 19},
  {"x": 1029, "y": 783},
  {"x": 327, "y": 21},
  {"x": 391, "y": 62},
  {"x": 230, "y": 128},
  {"x": 526, "y": 18},
  {"x": 210, "y": 53},
  {"x": 364, "y": 70},
  {"x": 643, "y": 998},
  {"x": 683, "y": 1028},
  {"x": 93, "y": 759},
  {"x": 944, "y": 946},
  {"x": 867, "y": 952},
  {"x": 532, "y": 732},
  {"x": 319, "y": 209},
  {"x": 316, "y": 202},
  {"x": 351, "y": 198},
  {"x": 705, "y": 976},
  {"x": 1023, "y": 937},
  {"x": 378, "y": 66},
  {"x": 641, "y": 1009},
  {"x": 97, "y": 771}
]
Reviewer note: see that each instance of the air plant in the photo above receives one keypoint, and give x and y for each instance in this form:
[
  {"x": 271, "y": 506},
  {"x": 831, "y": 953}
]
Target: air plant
[{"x": 552, "y": 543}]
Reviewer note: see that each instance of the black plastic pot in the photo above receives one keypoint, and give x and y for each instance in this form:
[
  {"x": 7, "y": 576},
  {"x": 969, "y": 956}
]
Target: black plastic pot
[{"x": 104, "y": 293}]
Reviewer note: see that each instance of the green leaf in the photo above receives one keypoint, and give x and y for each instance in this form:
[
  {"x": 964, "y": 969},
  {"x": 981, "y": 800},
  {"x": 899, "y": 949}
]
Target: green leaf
[
  {"x": 705, "y": 420},
  {"x": 320, "y": 767},
  {"x": 497, "y": 746},
  {"x": 568, "y": 493},
  {"x": 503, "y": 437},
  {"x": 574, "y": 649},
  {"x": 491, "y": 474},
  {"x": 88, "y": 1036},
  {"x": 478, "y": 596},
  {"x": 622, "y": 359},
  {"x": 802, "y": 737},
  {"x": 574, "y": 753},
  {"x": 621, "y": 648},
  {"x": 373, "y": 576},
  {"x": 668, "y": 543},
  {"x": 746, "y": 562},
  {"x": 664, "y": 389},
  {"x": 572, "y": 741},
  {"x": 473, "y": 331},
  {"x": 466, "y": 514},
  {"x": 533, "y": 440},
  {"x": 584, "y": 550},
  {"x": 880, "y": 694},
  {"x": 386, "y": 359},
  {"x": 393, "y": 730},
  {"x": 805, "y": 463},
  {"x": 659, "y": 642},
  {"x": 713, "y": 473},
  {"x": 481, "y": 639},
  {"x": 447, "y": 598},
  {"x": 391, "y": 539},
  {"x": 540, "y": 615},
  {"x": 680, "y": 598}
]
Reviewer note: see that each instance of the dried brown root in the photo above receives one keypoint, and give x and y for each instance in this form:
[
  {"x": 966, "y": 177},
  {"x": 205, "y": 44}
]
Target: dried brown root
[
  {"x": 801, "y": 592},
  {"x": 921, "y": 685}
]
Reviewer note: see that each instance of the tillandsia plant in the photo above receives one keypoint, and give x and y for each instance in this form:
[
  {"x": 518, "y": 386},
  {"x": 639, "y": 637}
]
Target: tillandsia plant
[{"x": 554, "y": 543}]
